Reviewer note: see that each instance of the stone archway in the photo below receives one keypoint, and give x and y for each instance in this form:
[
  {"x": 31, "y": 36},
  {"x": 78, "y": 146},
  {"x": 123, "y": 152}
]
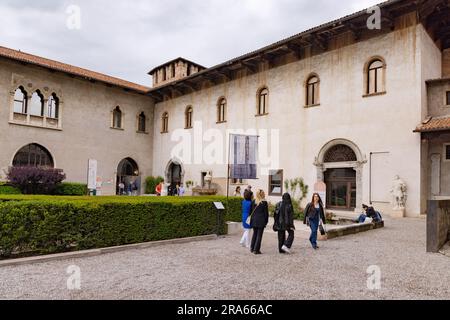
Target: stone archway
[
  {"x": 174, "y": 174},
  {"x": 340, "y": 164},
  {"x": 128, "y": 178}
]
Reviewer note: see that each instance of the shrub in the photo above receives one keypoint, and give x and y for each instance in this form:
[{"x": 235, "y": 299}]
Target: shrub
[
  {"x": 33, "y": 180},
  {"x": 151, "y": 183},
  {"x": 6, "y": 189},
  {"x": 71, "y": 189},
  {"x": 31, "y": 225},
  {"x": 298, "y": 212}
]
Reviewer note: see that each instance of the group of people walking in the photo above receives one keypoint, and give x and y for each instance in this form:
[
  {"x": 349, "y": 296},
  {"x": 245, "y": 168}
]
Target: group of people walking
[{"x": 255, "y": 216}]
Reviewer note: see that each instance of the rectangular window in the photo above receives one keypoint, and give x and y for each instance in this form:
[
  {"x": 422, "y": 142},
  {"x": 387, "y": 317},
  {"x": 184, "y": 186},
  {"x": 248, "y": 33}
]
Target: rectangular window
[
  {"x": 276, "y": 183},
  {"x": 448, "y": 98},
  {"x": 447, "y": 152}
]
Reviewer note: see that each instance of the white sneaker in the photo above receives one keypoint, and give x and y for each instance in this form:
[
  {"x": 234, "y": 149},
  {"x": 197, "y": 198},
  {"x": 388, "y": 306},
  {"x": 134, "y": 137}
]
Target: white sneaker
[{"x": 286, "y": 249}]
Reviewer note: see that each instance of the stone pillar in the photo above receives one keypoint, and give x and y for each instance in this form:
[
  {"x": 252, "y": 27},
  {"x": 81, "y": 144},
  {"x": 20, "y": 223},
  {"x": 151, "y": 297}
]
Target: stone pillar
[
  {"x": 359, "y": 187},
  {"x": 435, "y": 174}
]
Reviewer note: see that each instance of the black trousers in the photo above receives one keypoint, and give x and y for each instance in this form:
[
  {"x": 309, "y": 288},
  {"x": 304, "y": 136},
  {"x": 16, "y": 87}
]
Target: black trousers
[
  {"x": 257, "y": 239},
  {"x": 282, "y": 239}
]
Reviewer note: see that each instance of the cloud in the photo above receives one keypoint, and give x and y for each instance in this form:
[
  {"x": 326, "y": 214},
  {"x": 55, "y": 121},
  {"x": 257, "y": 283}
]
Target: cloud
[{"x": 126, "y": 39}]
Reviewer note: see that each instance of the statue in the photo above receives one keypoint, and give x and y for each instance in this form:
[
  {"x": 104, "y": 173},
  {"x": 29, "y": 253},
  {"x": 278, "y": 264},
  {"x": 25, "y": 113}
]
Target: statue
[{"x": 399, "y": 194}]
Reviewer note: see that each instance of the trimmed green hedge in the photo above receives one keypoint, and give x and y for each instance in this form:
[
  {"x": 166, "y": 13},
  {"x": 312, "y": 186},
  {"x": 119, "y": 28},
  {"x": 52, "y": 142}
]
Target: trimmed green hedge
[
  {"x": 6, "y": 189},
  {"x": 71, "y": 189},
  {"x": 33, "y": 225}
]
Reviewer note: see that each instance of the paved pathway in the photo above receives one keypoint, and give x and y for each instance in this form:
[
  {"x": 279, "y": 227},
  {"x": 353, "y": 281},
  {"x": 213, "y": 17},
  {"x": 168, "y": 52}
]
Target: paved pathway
[{"x": 221, "y": 269}]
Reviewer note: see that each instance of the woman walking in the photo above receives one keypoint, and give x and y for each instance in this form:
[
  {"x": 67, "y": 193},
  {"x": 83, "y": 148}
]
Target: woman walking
[
  {"x": 284, "y": 221},
  {"x": 259, "y": 221},
  {"x": 247, "y": 209},
  {"x": 313, "y": 214}
]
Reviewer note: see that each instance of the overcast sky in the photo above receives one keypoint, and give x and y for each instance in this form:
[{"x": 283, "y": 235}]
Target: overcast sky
[{"x": 127, "y": 38}]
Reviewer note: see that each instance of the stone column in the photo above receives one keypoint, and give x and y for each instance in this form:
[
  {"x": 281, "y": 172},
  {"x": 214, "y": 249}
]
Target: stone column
[
  {"x": 435, "y": 174},
  {"x": 359, "y": 186}
]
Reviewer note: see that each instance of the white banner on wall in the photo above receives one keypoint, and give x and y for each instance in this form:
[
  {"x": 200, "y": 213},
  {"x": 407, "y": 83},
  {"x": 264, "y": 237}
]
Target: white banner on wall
[{"x": 92, "y": 174}]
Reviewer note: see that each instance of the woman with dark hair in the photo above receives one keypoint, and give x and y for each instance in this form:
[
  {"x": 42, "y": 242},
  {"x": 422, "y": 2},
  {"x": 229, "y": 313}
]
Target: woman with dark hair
[
  {"x": 247, "y": 208},
  {"x": 284, "y": 221},
  {"x": 314, "y": 212}
]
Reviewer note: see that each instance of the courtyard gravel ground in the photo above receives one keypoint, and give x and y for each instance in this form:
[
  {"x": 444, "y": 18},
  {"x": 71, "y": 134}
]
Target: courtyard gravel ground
[{"x": 222, "y": 270}]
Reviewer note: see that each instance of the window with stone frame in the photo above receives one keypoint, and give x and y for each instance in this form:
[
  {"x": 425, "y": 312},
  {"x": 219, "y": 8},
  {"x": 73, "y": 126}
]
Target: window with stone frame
[
  {"x": 37, "y": 104},
  {"x": 447, "y": 152},
  {"x": 221, "y": 110},
  {"x": 276, "y": 183},
  {"x": 117, "y": 118},
  {"x": 189, "y": 115},
  {"x": 165, "y": 123},
  {"x": 142, "y": 123},
  {"x": 448, "y": 98},
  {"x": 340, "y": 153},
  {"x": 263, "y": 102},
  {"x": 375, "y": 77},
  {"x": 53, "y": 107},
  {"x": 33, "y": 155},
  {"x": 20, "y": 101},
  {"x": 312, "y": 91}
]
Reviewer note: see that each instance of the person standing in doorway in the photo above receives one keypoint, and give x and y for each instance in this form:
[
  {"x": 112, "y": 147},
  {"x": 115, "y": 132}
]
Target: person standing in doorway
[
  {"x": 259, "y": 221},
  {"x": 284, "y": 216},
  {"x": 121, "y": 189},
  {"x": 247, "y": 208},
  {"x": 181, "y": 190},
  {"x": 314, "y": 212}
]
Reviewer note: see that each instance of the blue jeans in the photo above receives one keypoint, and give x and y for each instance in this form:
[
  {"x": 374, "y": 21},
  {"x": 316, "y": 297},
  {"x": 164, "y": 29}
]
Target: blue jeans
[
  {"x": 314, "y": 225},
  {"x": 362, "y": 218}
]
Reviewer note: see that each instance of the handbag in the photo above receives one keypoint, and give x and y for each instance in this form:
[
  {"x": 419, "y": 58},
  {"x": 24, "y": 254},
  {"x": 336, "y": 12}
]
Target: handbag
[
  {"x": 322, "y": 229},
  {"x": 249, "y": 219}
]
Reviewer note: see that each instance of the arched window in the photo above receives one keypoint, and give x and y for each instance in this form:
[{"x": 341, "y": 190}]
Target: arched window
[
  {"x": 263, "y": 102},
  {"x": 37, "y": 104},
  {"x": 20, "y": 101},
  {"x": 375, "y": 76},
  {"x": 142, "y": 122},
  {"x": 340, "y": 153},
  {"x": 53, "y": 107},
  {"x": 222, "y": 110},
  {"x": 165, "y": 123},
  {"x": 312, "y": 91},
  {"x": 189, "y": 115},
  {"x": 117, "y": 118},
  {"x": 33, "y": 155}
]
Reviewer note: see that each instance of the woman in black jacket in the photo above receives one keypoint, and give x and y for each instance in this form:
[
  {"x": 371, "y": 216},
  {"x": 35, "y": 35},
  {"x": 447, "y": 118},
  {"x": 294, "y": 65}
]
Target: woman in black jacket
[
  {"x": 259, "y": 221},
  {"x": 314, "y": 212},
  {"x": 284, "y": 221}
]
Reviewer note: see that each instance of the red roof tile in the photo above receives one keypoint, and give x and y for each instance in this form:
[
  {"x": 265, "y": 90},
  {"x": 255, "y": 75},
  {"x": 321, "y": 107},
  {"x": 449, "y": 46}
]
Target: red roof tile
[
  {"x": 69, "y": 69},
  {"x": 434, "y": 124}
]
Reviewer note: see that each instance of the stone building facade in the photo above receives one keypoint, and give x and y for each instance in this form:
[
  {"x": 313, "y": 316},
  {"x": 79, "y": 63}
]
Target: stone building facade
[{"x": 336, "y": 104}]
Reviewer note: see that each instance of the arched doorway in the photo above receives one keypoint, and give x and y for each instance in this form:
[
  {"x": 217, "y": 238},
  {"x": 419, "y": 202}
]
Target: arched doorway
[
  {"x": 128, "y": 178},
  {"x": 174, "y": 175},
  {"x": 33, "y": 155},
  {"x": 339, "y": 165}
]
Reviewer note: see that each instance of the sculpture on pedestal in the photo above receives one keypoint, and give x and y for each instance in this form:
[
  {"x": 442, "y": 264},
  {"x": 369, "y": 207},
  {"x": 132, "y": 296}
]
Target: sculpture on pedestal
[{"x": 399, "y": 193}]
